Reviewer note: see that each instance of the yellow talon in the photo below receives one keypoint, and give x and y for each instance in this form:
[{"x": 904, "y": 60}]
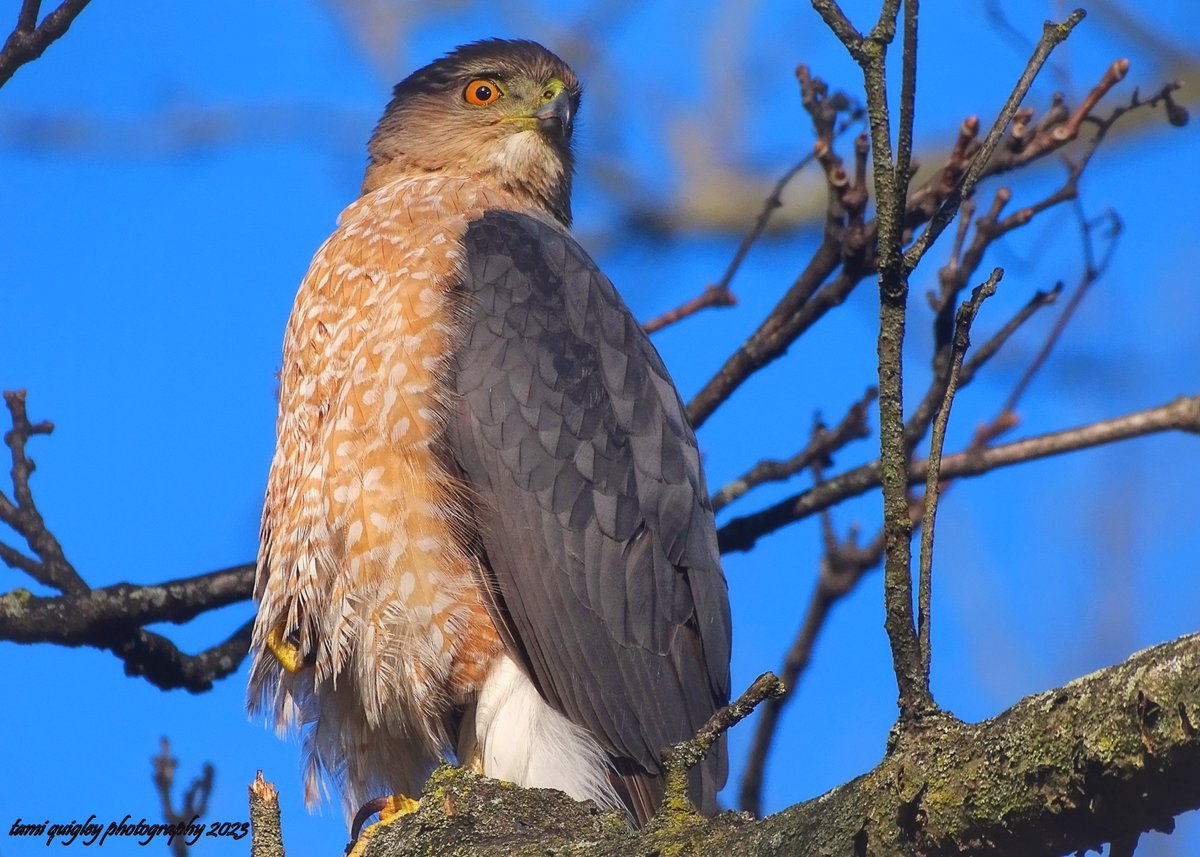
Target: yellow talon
[
  {"x": 475, "y": 763},
  {"x": 394, "y": 807},
  {"x": 287, "y": 654},
  {"x": 397, "y": 806}
]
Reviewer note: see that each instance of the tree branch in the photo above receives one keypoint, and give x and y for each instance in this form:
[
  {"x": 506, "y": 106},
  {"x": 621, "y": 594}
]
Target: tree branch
[
  {"x": 109, "y": 618},
  {"x": 719, "y": 295},
  {"x": 51, "y": 567},
  {"x": 1124, "y": 737},
  {"x": 26, "y": 42},
  {"x": 1052, "y": 36},
  {"x": 820, "y": 447},
  {"x": 851, "y": 244},
  {"x": 1183, "y": 414},
  {"x": 962, "y": 333},
  {"x": 91, "y": 618},
  {"x": 843, "y": 565}
]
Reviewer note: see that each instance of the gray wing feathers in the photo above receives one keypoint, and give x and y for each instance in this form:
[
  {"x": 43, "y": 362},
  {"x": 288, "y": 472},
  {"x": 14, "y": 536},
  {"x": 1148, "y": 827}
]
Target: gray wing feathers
[{"x": 593, "y": 519}]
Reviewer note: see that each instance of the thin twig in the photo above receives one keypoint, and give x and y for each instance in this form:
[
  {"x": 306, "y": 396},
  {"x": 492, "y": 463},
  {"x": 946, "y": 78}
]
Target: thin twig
[
  {"x": 687, "y": 754},
  {"x": 821, "y": 445},
  {"x": 1182, "y": 414},
  {"x": 712, "y": 296},
  {"x": 774, "y": 202},
  {"x": 985, "y": 352},
  {"x": 1093, "y": 271},
  {"x": 110, "y": 618},
  {"x": 853, "y": 246},
  {"x": 836, "y": 20},
  {"x": 195, "y": 799},
  {"x": 1052, "y": 36},
  {"x": 719, "y": 294},
  {"x": 962, "y": 333},
  {"x": 842, "y": 567},
  {"x": 51, "y": 567},
  {"x": 908, "y": 101}
]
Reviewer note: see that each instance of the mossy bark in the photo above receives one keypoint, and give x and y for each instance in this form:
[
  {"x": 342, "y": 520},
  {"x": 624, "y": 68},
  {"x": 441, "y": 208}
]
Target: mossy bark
[{"x": 1108, "y": 755}]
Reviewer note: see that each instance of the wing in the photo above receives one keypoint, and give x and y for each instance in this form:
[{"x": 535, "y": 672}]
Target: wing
[{"x": 594, "y": 521}]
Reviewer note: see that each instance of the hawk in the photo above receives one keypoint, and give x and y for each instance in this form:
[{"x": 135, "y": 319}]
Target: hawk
[{"x": 486, "y": 535}]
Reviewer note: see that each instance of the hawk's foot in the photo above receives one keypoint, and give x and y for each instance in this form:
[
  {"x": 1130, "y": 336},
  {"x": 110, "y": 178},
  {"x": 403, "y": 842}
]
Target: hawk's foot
[
  {"x": 389, "y": 808},
  {"x": 286, "y": 653}
]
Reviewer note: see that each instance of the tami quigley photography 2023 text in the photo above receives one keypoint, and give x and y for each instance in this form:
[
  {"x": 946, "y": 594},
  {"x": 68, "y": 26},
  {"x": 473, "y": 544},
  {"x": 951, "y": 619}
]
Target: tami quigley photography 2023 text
[{"x": 93, "y": 832}]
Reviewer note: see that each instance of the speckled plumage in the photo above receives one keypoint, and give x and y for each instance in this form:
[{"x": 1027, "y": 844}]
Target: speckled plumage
[{"x": 484, "y": 480}]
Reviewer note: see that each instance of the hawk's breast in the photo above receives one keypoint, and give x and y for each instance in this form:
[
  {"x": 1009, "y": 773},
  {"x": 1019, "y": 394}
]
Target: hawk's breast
[{"x": 365, "y": 533}]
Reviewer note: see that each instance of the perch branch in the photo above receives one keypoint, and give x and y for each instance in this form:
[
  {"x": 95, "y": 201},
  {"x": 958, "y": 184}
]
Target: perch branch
[{"x": 27, "y": 42}]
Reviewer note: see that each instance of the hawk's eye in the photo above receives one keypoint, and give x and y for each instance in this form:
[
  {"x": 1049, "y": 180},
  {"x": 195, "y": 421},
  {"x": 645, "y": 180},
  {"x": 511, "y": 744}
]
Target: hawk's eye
[{"x": 481, "y": 92}]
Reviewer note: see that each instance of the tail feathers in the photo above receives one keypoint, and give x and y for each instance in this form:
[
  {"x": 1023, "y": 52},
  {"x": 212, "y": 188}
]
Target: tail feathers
[
  {"x": 517, "y": 736},
  {"x": 520, "y": 738}
]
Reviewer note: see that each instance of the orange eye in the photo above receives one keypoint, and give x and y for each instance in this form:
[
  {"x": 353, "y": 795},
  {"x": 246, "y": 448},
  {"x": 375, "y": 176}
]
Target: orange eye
[{"x": 481, "y": 92}]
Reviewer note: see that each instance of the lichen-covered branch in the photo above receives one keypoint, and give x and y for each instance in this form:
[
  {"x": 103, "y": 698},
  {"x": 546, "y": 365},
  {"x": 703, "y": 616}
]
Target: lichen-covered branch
[
  {"x": 1102, "y": 758},
  {"x": 1110, "y": 754},
  {"x": 91, "y": 617},
  {"x": 266, "y": 838}
]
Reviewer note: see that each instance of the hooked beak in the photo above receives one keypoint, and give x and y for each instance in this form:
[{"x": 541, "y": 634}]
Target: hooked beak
[{"x": 554, "y": 117}]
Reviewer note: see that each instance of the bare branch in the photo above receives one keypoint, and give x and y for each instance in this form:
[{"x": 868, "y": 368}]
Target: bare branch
[
  {"x": 712, "y": 296},
  {"x": 1052, "y": 36},
  {"x": 92, "y": 617},
  {"x": 1092, "y": 272},
  {"x": 962, "y": 332},
  {"x": 156, "y": 659},
  {"x": 195, "y": 799},
  {"x": 842, "y": 567},
  {"x": 28, "y": 17},
  {"x": 688, "y": 754},
  {"x": 26, "y": 43},
  {"x": 833, "y": 16},
  {"x": 852, "y": 245},
  {"x": 719, "y": 295},
  {"x": 110, "y": 618},
  {"x": 821, "y": 446},
  {"x": 51, "y": 568},
  {"x": 1183, "y": 414}
]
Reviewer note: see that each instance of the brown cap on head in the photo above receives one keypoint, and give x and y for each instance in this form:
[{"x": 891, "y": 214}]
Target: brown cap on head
[{"x": 500, "y": 111}]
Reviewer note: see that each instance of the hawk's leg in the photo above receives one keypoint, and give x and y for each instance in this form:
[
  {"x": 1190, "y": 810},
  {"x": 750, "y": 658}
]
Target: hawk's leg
[
  {"x": 285, "y": 652},
  {"x": 389, "y": 809}
]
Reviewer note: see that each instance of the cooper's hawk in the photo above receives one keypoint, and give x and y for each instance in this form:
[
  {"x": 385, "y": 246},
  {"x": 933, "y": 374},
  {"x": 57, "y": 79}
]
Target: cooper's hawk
[{"x": 486, "y": 534}]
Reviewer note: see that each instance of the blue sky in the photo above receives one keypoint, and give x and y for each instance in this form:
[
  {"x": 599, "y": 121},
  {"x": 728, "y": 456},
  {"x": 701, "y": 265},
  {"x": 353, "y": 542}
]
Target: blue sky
[{"x": 150, "y": 261}]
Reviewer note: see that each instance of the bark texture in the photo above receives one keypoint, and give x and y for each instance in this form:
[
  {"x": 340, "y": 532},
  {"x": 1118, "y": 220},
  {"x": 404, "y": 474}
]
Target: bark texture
[{"x": 1106, "y": 756}]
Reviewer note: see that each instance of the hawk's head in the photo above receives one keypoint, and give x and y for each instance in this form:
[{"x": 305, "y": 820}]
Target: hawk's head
[{"x": 495, "y": 109}]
